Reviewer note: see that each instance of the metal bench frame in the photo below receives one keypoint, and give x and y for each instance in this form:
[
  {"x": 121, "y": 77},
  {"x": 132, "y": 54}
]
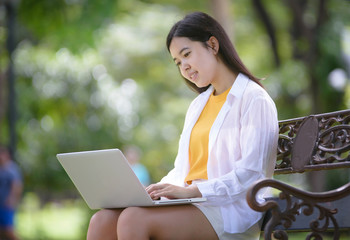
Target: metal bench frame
[{"x": 311, "y": 143}]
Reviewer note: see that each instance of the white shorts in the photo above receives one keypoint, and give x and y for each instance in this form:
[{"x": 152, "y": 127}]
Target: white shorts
[{"x": 213, "y": 214}]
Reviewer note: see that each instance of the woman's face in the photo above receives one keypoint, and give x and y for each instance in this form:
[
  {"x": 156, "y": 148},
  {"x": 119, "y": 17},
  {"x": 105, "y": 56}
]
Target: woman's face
[{"x": 196, "y": 62}]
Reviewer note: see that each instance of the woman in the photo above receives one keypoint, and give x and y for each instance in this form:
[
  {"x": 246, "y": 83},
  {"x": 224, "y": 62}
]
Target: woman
[{"x": 228, "y": 141}]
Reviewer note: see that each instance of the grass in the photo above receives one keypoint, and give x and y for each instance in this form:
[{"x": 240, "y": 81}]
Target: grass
[
  {"x": 54, "y": 221},
  {"x": 67, "y": 220}
]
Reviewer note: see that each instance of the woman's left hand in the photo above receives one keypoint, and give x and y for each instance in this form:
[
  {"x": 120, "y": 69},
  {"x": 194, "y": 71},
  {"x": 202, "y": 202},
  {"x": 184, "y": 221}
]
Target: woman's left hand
[{"x": 170, "y": 191}]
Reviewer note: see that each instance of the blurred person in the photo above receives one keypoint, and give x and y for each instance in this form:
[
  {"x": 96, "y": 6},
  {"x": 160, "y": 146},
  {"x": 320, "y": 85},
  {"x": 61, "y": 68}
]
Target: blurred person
[
  {"x": 132, "y": 154},
  {"x": 10, "y": 194},
  {"x": 229, "y": 140}
]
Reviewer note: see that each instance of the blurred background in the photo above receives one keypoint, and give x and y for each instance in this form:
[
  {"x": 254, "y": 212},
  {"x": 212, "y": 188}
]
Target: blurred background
[{"x": 81, "y": 75}]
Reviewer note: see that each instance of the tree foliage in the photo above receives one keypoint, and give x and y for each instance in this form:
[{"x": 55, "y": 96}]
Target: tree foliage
[{"x": 96, "y": 74}]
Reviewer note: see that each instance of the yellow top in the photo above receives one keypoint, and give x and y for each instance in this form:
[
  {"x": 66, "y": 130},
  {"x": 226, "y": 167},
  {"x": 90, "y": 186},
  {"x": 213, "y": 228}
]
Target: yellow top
[{"x": 198, "y": 150}]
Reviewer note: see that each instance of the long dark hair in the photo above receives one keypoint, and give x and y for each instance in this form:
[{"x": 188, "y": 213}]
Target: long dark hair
[{"x": 199, "y": 26}]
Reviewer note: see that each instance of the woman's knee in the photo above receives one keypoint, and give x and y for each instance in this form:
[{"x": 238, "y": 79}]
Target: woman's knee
[
  {"x": 102, "y": 222},
  {"x": 131, "y": 217},
  {"x": 104, "y": 215}
]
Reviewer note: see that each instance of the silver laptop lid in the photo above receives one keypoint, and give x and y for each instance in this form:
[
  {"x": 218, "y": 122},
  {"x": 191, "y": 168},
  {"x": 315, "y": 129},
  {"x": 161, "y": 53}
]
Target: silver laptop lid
[{"x": 105, "y": 179}]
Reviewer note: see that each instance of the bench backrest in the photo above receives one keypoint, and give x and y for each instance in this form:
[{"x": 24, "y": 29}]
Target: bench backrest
[{"x": 315, "y": 142}]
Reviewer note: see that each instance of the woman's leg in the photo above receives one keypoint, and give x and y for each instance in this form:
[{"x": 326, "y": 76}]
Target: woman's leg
[
  {"x": 167, "y": 222},
  {"x": 103, "y": 225}
]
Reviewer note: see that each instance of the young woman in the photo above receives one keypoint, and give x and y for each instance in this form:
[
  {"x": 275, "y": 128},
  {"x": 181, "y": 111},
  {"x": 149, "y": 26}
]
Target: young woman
[{"x": 228, "y": 141}]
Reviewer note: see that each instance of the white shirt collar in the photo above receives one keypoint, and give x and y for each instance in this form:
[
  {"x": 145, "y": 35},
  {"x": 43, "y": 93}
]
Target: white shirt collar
[{"x": 239, "y": 85}]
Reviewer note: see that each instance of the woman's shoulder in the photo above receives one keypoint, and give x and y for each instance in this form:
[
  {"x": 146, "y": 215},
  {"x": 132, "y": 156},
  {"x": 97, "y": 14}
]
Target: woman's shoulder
[
  {"x": 255, "y": 90},
  {"x": 255, "y": 93}
]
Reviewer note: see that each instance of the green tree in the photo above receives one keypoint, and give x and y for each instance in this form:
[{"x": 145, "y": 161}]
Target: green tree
[{"x": 97, "y": 75}]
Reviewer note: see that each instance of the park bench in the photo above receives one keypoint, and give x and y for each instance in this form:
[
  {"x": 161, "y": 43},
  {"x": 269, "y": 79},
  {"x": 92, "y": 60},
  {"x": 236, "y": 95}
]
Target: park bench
[{"x": 311, "y": 143}]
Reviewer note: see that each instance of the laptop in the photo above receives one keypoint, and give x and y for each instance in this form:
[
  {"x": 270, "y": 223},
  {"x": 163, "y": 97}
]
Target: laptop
[{"x": 105, "y": 179}]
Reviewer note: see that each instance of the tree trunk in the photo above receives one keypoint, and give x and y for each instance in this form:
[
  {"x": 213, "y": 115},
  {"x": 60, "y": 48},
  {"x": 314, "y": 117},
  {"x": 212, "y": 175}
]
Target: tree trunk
[
  {"x": 10, "y": 45},
  {"x": 221, "y": 12},
  {"x": 270, "y": 29}
]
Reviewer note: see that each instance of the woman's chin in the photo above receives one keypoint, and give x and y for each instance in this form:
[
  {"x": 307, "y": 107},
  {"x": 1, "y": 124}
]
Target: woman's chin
[{"x": 201, "y": 85}]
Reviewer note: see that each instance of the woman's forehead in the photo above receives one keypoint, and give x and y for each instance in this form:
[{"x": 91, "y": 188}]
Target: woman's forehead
[
  {"x": 178, "y": 44},
  {"x": 179, "y": 41}
]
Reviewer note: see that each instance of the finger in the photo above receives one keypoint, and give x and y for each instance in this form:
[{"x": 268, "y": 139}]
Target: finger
[
  {"x": 149, "y": 187},
  {"x": 164, "y": 192},
  {"x": 155, "y": 191},
  {"x": 152, "y": 187},
  {"x": 157, "y": 186},
  {"x": 156, "y": 195}
]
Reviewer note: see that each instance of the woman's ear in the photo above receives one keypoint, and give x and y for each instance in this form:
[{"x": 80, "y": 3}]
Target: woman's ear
[{"x": 213, "y": 43}]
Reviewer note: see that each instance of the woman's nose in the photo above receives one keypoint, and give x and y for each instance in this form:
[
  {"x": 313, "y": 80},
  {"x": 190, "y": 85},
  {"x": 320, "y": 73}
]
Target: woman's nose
[{"x": 185, "y": 66}]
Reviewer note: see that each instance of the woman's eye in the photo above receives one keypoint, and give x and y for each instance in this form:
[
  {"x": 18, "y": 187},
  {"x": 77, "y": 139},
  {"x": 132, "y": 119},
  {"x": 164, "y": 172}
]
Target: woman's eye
[
  {"x": 178, "y": 63},
  {"x": 187, "y": 54}
]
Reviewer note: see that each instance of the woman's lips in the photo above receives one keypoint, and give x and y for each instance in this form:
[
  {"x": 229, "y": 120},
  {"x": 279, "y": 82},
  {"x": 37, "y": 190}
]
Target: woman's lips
[{"x": 193, "y": 76}]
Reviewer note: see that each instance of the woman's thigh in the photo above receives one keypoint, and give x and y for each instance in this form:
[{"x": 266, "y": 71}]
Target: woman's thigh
[{"x": 167, "y": 222}]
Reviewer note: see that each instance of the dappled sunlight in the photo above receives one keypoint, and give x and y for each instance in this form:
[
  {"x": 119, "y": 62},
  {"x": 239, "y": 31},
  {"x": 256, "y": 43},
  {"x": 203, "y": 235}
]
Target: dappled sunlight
[{"x": 139, "y": 33}]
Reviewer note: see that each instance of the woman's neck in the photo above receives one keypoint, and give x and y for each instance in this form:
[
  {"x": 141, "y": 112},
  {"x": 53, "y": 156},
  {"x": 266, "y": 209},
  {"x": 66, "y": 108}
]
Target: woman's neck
[{"x": 224, "y": 79}]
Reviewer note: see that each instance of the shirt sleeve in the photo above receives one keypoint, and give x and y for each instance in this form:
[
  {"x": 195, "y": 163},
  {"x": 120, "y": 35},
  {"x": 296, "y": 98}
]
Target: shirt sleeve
[{"x": 258, "y": 143}]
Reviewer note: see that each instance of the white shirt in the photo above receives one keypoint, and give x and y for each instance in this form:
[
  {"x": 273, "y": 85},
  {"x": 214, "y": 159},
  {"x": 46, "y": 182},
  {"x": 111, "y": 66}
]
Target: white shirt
[{"x": 242, "y": 149}]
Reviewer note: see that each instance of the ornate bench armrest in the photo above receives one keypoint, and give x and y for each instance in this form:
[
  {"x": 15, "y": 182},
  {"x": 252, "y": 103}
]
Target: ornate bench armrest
[{"x": 296, "y": 202}]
